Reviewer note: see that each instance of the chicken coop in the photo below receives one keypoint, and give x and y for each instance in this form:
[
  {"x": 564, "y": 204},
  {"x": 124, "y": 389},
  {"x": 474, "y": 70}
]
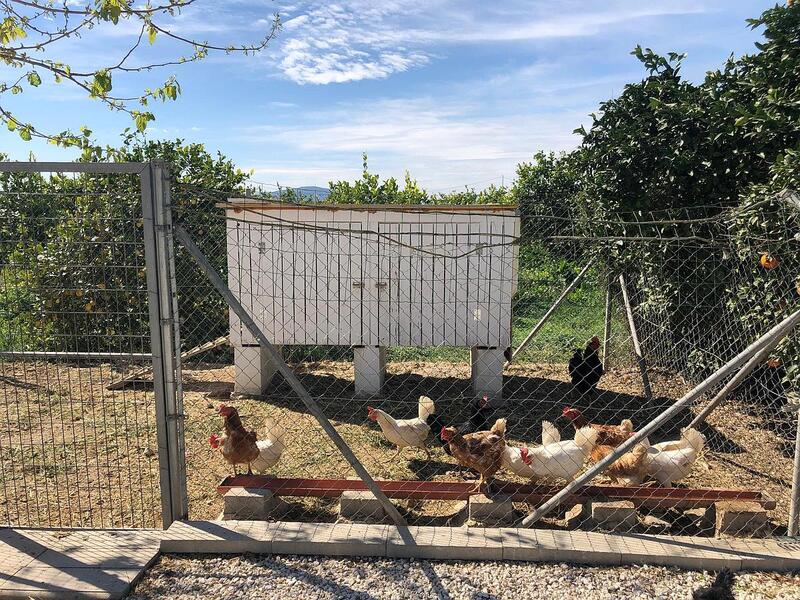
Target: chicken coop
[{"x": 372, "y": 277}]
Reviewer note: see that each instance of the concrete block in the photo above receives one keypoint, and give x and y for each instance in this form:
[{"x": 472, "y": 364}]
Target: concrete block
[
  {"x": 614, "y": 515},
  {"x": 490, "y": 511},
  {"x": 487, "y": 373},
  {"x": 369, "y": 365},
  {"x": 445, "y": 543},
  {"x": 252, "y": 504},
  {"x": 330, "y": 539},
  {"x": 361, "y": 506},
  {"x": 254, "y": 370},
  {"x": 743, "y": 519}
]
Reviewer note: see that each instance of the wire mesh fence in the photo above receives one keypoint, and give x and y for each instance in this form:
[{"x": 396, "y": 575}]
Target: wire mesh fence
[
  {"x": 411, "y": 328},
  {"x": 75, "y": 449},
  {"x": 468, "y": 362}
]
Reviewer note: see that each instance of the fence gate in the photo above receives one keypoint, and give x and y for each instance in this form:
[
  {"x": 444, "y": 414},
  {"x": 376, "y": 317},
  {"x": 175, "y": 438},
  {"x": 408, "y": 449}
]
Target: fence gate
[{"x": 88, "y": 437}]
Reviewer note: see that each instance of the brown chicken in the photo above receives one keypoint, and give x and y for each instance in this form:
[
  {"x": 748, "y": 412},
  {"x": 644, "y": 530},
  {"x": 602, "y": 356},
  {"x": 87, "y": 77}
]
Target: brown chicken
[
  {"x": 610, "y": 435},
  {"x": 238, "y": 446},
  {"x": 628, "y": 469},
  {"x": 481, "y": 451}
]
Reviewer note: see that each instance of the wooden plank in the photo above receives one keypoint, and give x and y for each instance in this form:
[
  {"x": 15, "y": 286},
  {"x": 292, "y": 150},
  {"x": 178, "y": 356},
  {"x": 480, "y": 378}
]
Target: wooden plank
[{"x": 518, "y": 492}]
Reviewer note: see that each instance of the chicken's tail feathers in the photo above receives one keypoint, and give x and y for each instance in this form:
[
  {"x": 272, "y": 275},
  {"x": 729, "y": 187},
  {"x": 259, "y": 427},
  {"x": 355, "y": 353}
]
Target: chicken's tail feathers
[
  {"x": 725, "y": 578},
  {"x": 499, "y": 427},
  {"x": 694, "y": 438},
  {"x": 550, "y": 434},
  {"x": 426, "y": 407},
  {"x": 273, "y": 430},
  {"x": 586, "y": 438}
]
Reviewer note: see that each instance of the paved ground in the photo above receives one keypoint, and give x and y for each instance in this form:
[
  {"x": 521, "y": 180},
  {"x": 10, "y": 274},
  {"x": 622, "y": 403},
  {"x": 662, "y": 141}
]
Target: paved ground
[
  {"x": 312, "y": 578},
  {"x": 73, "y": 563}
]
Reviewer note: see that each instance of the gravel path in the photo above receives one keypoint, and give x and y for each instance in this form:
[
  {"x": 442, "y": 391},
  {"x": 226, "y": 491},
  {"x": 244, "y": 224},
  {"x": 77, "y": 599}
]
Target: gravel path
[{"x": 311, "y": 578}]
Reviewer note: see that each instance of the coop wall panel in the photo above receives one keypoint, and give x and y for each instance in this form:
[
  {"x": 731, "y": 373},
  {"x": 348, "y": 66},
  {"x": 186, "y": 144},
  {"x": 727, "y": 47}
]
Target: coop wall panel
[{"x": 375, "y": 276}]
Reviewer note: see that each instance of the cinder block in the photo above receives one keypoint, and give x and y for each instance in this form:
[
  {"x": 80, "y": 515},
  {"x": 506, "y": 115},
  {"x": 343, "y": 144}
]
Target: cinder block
[
  {"x": 614, "y": 515},
  {"x": 487, "y": 373},
  {"x": 253, "y": 370},
  {"x": 575, "y": 516},
  {"x": 361, "y": 506},
  {"x": 490, "y": 511},
  {"x": 743, "y": 519},
  {"x": 369, "y": 366},
  {"x": 252, "y": 504}
]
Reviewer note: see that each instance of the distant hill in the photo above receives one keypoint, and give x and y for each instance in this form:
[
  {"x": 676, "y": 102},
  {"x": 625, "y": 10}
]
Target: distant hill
[{"x": 308, "y": 192}]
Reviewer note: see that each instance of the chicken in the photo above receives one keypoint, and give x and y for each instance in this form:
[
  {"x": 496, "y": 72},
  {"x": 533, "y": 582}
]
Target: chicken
[
  {"x": 585, "y": 368},
  {"x": 407, "y": 432},
  {"x": 477, "y": 421},
  {"x": 669, "y": 462},
  {"x": 481, "y": 451},
  {"x": 628, "y": 469},
  {"x": 554, "y": 459},
  {"x": 269, "y": 449},
  {"x": 238, "y": 446},
  {"x": 721, "y": 589},
  {"x": 610, "y": 435}
]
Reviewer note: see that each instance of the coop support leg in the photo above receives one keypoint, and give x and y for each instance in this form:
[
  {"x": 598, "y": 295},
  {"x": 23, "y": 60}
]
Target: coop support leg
[
  {"x": 254, "y": 370},
  {"x": 369, "y": 364},
  {"x": 487, "y": 373},
  {"x": 637, "y": 346},
  {"x": 309, "y": 402},
  {"x": 779, "y": 331}
]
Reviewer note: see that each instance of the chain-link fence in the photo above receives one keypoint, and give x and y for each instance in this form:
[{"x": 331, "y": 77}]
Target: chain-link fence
[
  {"x": 80, "y": 440},
  {"x": 461, "y": 349}
]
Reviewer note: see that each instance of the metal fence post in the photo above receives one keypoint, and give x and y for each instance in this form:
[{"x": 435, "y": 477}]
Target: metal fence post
[{"x": 162, "y": 305}]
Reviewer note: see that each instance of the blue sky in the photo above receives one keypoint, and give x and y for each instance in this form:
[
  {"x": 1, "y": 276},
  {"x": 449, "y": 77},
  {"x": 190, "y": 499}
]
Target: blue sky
[{"x": 457, "y": 93}]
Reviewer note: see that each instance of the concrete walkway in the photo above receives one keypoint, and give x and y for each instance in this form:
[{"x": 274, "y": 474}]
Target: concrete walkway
[{"x": 73, "y": 563}]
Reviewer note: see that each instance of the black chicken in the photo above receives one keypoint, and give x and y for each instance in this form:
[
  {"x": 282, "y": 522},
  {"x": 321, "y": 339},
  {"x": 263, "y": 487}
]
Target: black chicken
[
  {"x": 721, "y": 589},
  {"x": 585, "y": 368}
]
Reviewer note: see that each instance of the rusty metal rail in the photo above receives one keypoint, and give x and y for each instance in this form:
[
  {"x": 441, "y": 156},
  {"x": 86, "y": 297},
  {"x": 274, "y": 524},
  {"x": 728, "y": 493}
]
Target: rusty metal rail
[{"x": 644, "y": 496}]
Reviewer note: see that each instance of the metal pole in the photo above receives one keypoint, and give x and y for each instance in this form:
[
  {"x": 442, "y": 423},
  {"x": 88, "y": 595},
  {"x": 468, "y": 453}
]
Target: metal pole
[
  {"x": 794, "y": 508},
  {"x": 780, "y": 330},
  {"x": 168, "y": 297},
  {"x": 607, "y": 325},
  {"x": 39, "y": 355},
  {"x": 550, "y": 311},
  {"x": 637, "y": 347},
  {"x": 288, "y": 374},
  {"x": 735, "y": 381},
  {"x": 155, "y": 307}
]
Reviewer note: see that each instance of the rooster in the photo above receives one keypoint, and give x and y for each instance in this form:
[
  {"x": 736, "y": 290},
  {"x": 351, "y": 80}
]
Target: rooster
[
  {"x": 628, "y": 469},
  {"x": 238, "y": 446},
  {"x": 609, "y": 435},
  {"x": 481, "y": 451},
  {"x": 407, "y": 432},
  {"x": 721, "y": 589},
  {"x": 585, "y": 368},
  {"x": 669, "y": 462},
  {"x": 554, "y": 458}
]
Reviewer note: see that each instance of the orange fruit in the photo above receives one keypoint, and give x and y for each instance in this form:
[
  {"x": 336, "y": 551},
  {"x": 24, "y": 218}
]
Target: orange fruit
[{"x": 768, "y": 261}]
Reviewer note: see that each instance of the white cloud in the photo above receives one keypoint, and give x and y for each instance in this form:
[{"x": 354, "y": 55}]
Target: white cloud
[{"x": 354, "y": 40}]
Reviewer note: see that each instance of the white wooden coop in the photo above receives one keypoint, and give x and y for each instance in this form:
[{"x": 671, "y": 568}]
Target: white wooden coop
[{"x": 373, "y": 276}]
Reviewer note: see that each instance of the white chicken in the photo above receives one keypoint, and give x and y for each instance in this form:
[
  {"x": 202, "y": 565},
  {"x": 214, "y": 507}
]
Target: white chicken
[
  {"x": 407, "y": 432},
  {"x": 554, "y": 458},
  {"x": 270, "y": 449},
  {"x": 669, "y": 462}
]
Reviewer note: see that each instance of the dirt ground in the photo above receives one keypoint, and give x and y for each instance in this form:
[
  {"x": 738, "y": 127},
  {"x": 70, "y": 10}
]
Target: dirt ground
[{"x": 75, "y": 454}]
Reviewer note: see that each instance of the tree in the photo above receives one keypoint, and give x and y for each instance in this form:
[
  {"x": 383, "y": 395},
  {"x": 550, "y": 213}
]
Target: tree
[{"x": 33, "y": 34}]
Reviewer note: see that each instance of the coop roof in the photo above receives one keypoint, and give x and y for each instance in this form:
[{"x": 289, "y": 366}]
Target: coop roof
[{"x": 250, "y": 204}]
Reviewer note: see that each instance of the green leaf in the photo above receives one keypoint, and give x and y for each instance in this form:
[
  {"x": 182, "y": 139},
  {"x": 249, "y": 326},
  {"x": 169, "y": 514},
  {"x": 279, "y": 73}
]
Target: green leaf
[
  {"x": 25, "y": 133},
  {"x": 101, "y": 84},
  {"x": 151, "y": 34},
  {"x": 34, "y": 79}
]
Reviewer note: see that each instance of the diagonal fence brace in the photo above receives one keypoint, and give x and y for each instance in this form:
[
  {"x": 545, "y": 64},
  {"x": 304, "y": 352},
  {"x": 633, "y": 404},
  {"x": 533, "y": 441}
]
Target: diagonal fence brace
[{"x": 288, "y": 374}]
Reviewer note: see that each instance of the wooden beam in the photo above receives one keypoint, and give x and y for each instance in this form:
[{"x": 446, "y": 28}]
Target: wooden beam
[
  {"x": 637, "y": 346},
  {"x": 518, "y": 492}
]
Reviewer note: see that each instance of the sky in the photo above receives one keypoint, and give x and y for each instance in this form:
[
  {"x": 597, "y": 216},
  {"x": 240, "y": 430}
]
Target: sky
[{"x": 456, "y": 93}]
